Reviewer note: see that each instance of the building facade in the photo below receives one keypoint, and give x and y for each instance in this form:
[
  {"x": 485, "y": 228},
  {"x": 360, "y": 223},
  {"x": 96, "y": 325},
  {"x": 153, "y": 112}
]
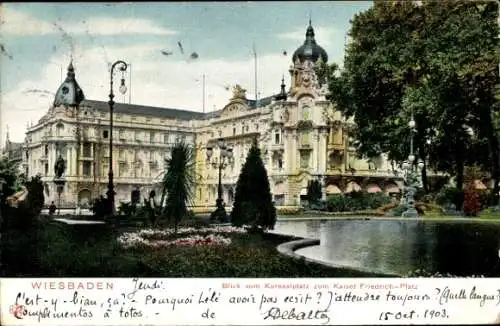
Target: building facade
[{"x": 300, "y": 135}]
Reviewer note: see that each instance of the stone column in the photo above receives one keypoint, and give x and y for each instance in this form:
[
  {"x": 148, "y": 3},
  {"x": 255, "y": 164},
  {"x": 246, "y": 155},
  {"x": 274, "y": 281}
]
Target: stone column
[
  {"x": 294, "y": 152},
  {"x": 287, "y": 150},
  {"x": 322, "y": 152},
  {"x": 316, "y": 151}
]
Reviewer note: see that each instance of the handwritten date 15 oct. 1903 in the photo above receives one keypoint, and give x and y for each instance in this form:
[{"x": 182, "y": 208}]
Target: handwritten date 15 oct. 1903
[{"x": 410, "y": 314}]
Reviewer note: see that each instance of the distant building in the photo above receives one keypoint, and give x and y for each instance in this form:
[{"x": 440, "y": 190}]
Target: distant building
[
  {"x": 14, "y": 152},
  {"x": 300, "y": 136}
]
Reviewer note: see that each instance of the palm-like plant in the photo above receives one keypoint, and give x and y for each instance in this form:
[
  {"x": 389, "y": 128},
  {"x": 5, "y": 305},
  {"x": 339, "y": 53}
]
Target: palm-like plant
[{"x": 178, "y": 182}]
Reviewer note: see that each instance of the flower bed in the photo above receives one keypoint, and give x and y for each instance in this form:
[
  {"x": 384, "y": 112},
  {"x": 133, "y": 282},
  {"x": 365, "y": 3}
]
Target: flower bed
[{"x": 155, "y": 238}]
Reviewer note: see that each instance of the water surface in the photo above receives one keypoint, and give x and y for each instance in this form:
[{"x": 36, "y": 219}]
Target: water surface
[{"x": 399, "y": 246}]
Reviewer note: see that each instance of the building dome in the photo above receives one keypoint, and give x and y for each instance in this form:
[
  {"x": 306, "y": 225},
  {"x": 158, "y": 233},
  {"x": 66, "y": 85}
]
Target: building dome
[
  {"x": 310, "y": 50},
  {"x": 69, "y": 93}
]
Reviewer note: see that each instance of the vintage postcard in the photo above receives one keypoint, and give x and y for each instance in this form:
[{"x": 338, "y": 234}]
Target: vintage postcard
[{"x": 250, "y": 163}]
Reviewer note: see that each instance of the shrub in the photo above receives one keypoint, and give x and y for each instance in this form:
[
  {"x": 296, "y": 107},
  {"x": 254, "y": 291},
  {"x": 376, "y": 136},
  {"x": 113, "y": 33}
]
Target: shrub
[
  {"x": 472, "y": 201},
  {"x": 335, "y": 203},
  {"x": 357, "y": 201},
  {"x": 314, "y": 192},
  {"x": 397, "y": 211},
  {"x": 126, "y": 209},
  {"x": 25, "y": 215},
  {"x": 289, "y": 211},
  {"x": 448, "y": 195},
  {"x": 378, "y": 199},
  {"x": 387, "y": 207},
  {"x": 35, "y": 198},
  {"x": 100, "y": 207}
]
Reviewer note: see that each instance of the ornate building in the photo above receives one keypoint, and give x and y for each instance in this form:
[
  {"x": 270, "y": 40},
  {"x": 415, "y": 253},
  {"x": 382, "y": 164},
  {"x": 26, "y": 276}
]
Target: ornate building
[{"x": 300, "y": 135}]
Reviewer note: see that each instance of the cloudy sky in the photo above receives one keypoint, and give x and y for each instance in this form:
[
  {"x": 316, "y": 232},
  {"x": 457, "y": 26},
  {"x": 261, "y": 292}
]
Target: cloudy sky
[{"x": 38, "y": 41}]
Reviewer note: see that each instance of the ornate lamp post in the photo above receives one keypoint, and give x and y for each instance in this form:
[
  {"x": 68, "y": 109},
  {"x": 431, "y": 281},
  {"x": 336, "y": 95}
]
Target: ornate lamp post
[
  {"x": 123, "y": 89},
  {"x": 411, "y": 176},
  {"x": 225, "y": 158}
]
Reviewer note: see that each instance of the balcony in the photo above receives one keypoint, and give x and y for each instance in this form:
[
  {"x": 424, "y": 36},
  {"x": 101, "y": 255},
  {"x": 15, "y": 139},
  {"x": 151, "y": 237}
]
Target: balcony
[
  {"x": 338, "y": 147},
  {"x": 277, "y": 147},
  {"x": 305, "y": 146}
]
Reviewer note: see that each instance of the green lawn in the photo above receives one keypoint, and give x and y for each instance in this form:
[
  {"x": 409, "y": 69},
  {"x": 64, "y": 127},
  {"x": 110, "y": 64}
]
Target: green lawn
[{"x": 50, "y": 249}]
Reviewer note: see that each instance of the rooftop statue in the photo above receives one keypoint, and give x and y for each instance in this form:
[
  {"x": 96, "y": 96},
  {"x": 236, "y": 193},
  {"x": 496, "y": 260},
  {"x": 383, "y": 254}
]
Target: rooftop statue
[{"x": 239, "y": 92}]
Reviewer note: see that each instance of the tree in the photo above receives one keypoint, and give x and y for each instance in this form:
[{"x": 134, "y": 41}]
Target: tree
[
  {"x": 178, "y": 182},
  {"x": 253, "y": 204},
  {"x": 435, "y": 60},
  {"x": 8, "y": 178},
  {"x": 314, "y": 191},
  {"x": 35, "y": 198}
]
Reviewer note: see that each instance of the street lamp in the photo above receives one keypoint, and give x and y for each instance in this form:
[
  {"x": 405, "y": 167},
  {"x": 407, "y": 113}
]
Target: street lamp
[
  {"x": 123, "y": 89},
  {"x": 225, "y": 158},
  {"x": 411, "y": 176}
]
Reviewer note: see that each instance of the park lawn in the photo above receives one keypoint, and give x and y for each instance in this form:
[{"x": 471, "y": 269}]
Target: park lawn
[{"x": 55, "y": 250}]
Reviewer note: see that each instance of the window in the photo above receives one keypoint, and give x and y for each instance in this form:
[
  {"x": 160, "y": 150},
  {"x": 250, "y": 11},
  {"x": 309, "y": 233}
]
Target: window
[
  {"x": 277, "y": 137},
  {"x": 246, "y": 128},
  {"x": 305, "y": 113},
  {"x": 122, "y": 134},
  {"x": 105, "y": 168},
  {"x": 86, "y": 168},
  {"x": 121, "y": 155},
  {"x": 46, "y": 168},
  {"x": 304, "y": 159},
  {"x": 304, "y": 139},
  {"x": 105, "y": 134},
  {"x": 87, "y": 150},
  {"x": 280, "y": 163},
  {"x": 256, "y": 126},
  {"x": 234, "y": 131},
  {"x": 165, "y": 138},
  {"x": 46, "y": 150},
  {"x": 151, "y": 137},
  {"x": 59, "y": 129},
  {"x": 242, "y": 129}
]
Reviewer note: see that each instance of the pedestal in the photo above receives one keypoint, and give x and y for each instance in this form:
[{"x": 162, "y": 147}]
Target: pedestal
[
  {"x": 410, "y": 203},
  {"x": 219, "y": 214},
  {"x": 60, "y": 188}
]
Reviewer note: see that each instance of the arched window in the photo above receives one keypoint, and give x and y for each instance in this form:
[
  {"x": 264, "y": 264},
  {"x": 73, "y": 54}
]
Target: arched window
[{"x": 59, "y": 129}]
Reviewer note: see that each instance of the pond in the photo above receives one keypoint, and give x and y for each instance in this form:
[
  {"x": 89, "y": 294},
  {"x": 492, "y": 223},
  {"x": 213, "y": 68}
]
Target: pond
[{"x": 397, "y": 247}]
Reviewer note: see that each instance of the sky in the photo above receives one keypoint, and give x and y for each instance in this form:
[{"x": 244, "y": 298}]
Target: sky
[{"x": 38, "y": 41}]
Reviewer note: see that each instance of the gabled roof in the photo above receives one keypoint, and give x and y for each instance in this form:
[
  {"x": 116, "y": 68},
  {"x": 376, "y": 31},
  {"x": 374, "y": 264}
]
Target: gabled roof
[
  {"x": 135, "y": 109},
  {"x": 167, "y": 113}
]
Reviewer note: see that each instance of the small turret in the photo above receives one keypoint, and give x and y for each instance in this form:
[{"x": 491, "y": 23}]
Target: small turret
[{"x": 282, "y": 96}]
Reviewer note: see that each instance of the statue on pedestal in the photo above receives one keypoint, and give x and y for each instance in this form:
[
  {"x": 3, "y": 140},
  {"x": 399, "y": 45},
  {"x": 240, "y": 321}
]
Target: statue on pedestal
[{"x": 59, "y": 167}]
